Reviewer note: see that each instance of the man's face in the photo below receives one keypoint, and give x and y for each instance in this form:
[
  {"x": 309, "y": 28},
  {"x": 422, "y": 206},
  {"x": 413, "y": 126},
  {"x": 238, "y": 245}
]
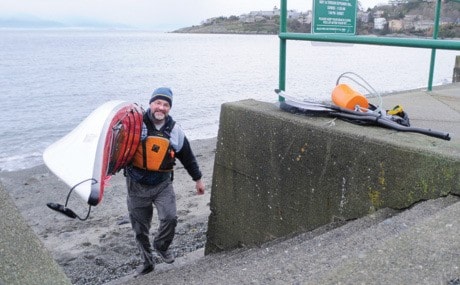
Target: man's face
[{"x": 160, "y": 109}]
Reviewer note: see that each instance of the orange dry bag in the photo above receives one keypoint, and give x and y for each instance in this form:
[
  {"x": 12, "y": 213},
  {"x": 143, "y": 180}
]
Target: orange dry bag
[{"x": 345, "y": 97}]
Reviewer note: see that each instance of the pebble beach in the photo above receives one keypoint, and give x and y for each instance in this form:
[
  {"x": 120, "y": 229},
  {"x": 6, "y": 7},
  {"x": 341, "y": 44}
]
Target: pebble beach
[{"x": 102, "y": 249}]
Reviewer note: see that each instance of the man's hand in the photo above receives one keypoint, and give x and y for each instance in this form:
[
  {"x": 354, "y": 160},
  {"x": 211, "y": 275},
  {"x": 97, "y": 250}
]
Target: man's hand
[{"x": 199, "y": 187}]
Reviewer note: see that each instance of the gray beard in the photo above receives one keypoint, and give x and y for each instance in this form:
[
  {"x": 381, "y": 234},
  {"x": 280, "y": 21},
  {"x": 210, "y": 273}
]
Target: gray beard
[{"x": 159, "y": 116}]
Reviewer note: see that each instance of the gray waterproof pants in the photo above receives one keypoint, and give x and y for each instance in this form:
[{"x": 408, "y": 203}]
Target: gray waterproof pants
[{"x": 140, "y": 200}]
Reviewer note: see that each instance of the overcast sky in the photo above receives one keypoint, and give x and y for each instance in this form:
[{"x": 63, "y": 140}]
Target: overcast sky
[{"x": 147, "y": 13}]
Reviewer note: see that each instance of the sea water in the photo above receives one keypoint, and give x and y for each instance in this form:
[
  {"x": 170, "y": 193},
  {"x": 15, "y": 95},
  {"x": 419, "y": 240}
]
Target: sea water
[{"x": 50, "y": 80}]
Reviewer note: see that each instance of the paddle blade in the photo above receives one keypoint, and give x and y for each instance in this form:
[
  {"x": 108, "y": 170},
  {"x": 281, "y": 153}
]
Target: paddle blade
[{"x": 61, "y": 209}]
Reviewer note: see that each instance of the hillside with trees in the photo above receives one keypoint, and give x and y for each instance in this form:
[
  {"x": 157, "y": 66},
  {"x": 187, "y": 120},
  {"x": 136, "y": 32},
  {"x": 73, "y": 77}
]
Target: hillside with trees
[{"x": 400, "y": 18}]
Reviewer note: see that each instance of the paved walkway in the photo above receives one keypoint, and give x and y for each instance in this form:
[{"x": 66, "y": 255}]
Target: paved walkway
[{"x": 437, "y": 110}]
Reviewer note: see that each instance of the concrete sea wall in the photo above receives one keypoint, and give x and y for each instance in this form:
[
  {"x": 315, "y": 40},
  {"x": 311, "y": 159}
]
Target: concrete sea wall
[
  {"x": 24, "y": 258},
  {"x": 278, "y": 174}
]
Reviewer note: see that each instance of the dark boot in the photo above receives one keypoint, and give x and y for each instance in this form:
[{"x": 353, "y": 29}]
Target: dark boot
[
  {"x": 166, "y": 255},
  {"x": 144, "y": 269}
]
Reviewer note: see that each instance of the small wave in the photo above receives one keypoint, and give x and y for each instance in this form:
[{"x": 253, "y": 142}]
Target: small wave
[{"x": 20, "y": 162}]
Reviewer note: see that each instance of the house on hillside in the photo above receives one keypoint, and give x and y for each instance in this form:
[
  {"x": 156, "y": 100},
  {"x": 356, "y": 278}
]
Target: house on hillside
[
  {"x": 423, "y": 25},
  {"x": 447, "y": 20},
  {"x": 379, "y": 23},
  {"x": 363, "y": 16},
  {"x": 408, "y": 21},
  {"x": 395, "y": 26},
  {"x": 255, "y": 16},
  {"x": 378, "y": 14},
  {"x": 305, "y": 18}
]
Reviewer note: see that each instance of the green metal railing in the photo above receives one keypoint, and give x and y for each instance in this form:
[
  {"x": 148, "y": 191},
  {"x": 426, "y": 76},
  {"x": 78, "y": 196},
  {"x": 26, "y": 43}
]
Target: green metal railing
[{"x": 432, "y": 44}]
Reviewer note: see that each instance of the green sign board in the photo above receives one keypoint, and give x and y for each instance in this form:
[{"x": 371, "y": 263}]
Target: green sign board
[{"x": 334, "y": 16}]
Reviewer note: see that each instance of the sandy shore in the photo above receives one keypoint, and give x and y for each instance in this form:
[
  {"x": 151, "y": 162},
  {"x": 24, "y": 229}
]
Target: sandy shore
[{"x": 102, "y": 248}]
